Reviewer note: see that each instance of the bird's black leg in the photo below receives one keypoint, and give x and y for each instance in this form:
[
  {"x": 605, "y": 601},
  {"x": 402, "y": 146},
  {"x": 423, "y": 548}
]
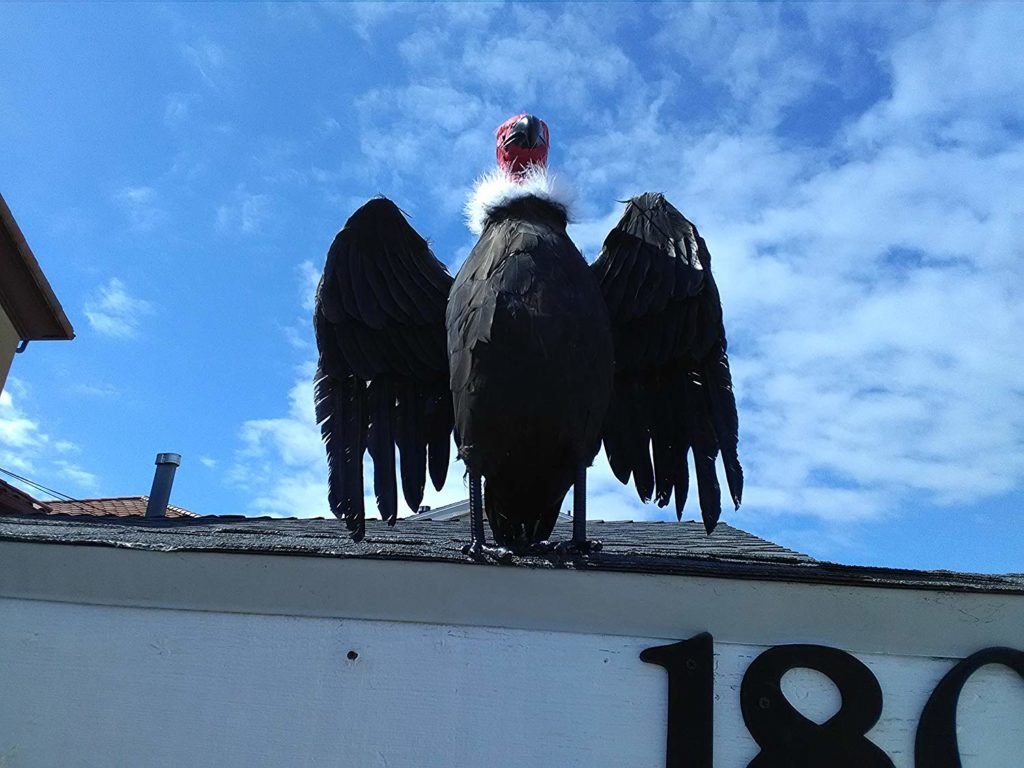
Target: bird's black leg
[
  {"x": 580, "y": 544},
  {"x": 579, "y": 506},
  {"x": 477, "y": 547},
  {"x": 476, "y": 508}
]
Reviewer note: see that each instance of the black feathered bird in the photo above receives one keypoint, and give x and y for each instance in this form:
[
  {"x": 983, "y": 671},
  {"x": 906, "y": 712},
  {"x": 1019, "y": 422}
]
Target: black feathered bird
[{"x": 530, "y": 355}]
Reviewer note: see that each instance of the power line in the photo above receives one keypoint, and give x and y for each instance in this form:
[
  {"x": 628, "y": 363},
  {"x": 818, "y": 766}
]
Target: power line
[{"x": 58, "y": 494}]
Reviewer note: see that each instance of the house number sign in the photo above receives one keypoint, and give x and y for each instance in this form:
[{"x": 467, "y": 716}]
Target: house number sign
[{"x": 788, "y": 739}]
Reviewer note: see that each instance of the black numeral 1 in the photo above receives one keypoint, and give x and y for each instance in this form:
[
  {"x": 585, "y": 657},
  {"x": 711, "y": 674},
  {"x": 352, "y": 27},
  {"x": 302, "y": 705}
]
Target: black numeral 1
[{"x": 691, "y": 679}]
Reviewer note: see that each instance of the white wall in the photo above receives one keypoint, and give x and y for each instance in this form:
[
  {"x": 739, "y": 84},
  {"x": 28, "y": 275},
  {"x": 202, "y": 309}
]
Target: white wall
[{"x": 113, "y": 686}]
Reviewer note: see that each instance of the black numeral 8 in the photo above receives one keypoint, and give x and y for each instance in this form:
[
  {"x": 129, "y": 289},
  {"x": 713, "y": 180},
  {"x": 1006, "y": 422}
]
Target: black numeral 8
[{"x": 790, "y": 740}]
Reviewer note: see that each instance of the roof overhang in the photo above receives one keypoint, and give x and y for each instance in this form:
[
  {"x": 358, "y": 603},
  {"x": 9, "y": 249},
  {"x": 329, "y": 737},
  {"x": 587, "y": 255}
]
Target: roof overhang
[
  {"x": 25, "y": 293},
  {"x": 15, "y": 501},
  {"x": 739, "y": 610}
]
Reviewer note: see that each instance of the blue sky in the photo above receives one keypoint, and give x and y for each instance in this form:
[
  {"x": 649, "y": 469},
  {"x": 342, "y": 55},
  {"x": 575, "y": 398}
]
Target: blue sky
[{"x": 180, "y": 170}]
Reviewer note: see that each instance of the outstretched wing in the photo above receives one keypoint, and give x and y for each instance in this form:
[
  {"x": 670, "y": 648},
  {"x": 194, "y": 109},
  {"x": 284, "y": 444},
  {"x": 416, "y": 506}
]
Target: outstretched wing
[
  {"x": 673, "y": 389},
  {"x": 382, "y": 377}
]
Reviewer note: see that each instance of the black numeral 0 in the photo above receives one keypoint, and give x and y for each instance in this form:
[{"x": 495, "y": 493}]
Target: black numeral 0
[
  {"x": 787, "y": 738},
  {"x": 937, "y": 745},
  {"x": 691, "y": 682}
]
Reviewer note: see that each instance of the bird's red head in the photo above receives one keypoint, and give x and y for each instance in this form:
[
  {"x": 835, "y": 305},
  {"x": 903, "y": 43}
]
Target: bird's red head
[{"x": 522, "y": 141}]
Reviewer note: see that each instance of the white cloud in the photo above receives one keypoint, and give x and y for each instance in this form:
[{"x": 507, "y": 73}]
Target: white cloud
[
  {"x": 17, "y": 431},
  {"x": 305, "y": 15},
  {"x": 561, "y": 53},
  {"x": 141, "y": 206},
  {"x": 77, "y": 476},
  {"x": 764, "y": 62},
  {"x": 365, "y": 17},
  {"x": 280, "y": 459},
  {"x": 327, "y": 127},
  {"x": 209, "y": 59},
  {"x": 403, "y": 159},
  {"x": 114, "y": 312},
  {"x": 309, "y": 279},
  {"x": 247, "y": 213},
  {"x": 28, "y": 450},
  {"x": 136, "y": 195},
  {"x": 178, "y": 107},
  {"x": 426, "y": 140},
  {"x": 95, "y": 389},
  {"x": 953, "y": 78}
]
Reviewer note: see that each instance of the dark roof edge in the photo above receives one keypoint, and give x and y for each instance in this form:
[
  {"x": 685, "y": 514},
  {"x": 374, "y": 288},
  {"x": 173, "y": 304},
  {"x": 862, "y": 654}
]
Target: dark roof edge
[
  {"x": 116, "y": 533},
  {"x": 31, "y": 304}
]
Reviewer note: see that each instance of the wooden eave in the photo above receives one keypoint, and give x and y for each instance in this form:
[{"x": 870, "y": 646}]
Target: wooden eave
[
  {"x": 25, "y": 293},
  {"x": 16, "y": 501}
]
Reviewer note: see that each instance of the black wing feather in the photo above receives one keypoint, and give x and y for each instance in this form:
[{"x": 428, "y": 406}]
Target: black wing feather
[
  {"x": 412, "y": 443},
  {"x": 382, "y": 378},
  {"x": 673, "y": 389},
  {"x": 381, "y": 442},
  {"x": 440, "y": 416}
]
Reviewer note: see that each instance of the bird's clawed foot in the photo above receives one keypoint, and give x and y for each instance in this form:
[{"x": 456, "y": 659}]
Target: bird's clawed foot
[
  {"x": 574, "y": 548},
  {"x": 564, "y": 549},
  {"x": 481, "y": 552}
]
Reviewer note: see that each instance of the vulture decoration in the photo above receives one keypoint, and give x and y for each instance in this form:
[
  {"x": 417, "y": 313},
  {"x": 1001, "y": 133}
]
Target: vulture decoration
[{"x": 530, "y": 355}]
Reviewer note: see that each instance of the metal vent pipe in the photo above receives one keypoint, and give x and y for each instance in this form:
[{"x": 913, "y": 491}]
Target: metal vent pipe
[{"x": 163, "y": 479}]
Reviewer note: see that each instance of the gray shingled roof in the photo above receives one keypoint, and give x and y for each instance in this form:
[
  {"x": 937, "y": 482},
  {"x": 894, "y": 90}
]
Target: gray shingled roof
[
  {"x": 639, "y": 547},
  {"x": 458, "y": 510}
]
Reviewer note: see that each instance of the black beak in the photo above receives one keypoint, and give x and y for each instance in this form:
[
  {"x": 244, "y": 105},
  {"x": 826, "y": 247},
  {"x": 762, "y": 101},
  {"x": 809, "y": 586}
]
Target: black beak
[{"x": 526, "y": 133}]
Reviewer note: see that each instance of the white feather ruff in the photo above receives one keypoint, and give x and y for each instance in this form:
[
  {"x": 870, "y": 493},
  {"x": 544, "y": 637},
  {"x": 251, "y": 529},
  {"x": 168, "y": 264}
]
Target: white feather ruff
[{"x": 495, "y": 189}]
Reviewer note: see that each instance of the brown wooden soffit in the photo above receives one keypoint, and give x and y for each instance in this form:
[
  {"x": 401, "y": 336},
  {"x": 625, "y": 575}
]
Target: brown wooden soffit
[{"x": 25, "y": 293}]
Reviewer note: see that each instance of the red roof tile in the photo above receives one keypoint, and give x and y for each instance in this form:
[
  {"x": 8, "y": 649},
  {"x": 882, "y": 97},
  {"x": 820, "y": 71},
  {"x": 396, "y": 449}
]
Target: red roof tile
[
  {"x": 14, "y": 501},
  {"x": 117, "y": 506}
]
